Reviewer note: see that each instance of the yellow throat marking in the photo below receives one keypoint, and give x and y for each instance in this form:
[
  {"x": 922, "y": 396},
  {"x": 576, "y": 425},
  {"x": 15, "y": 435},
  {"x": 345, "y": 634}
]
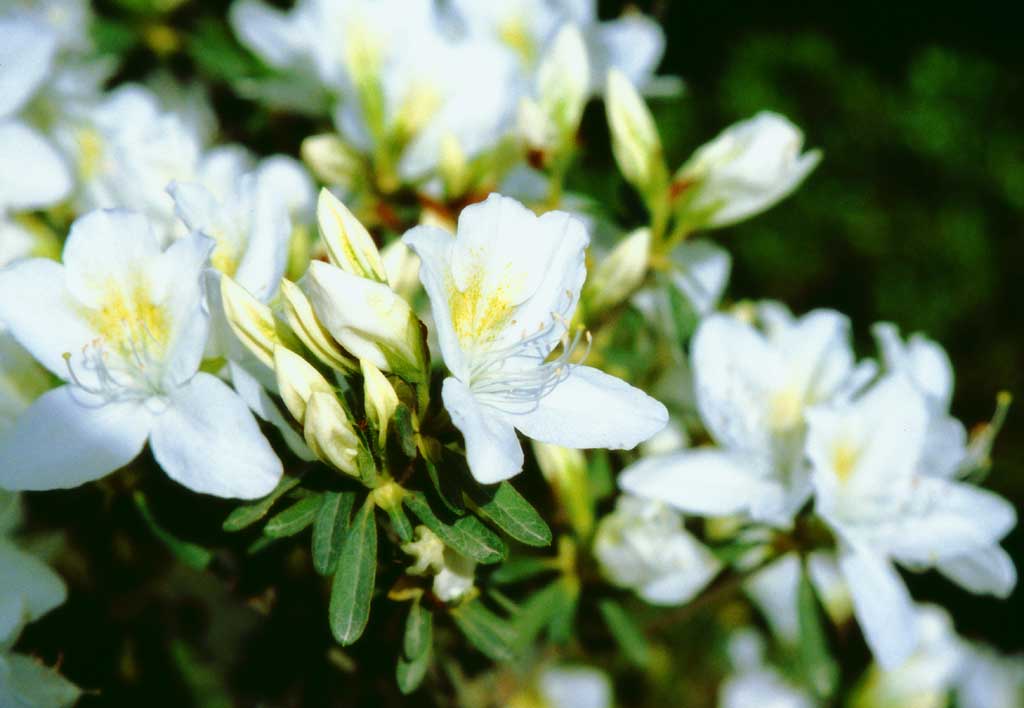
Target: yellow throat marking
[
  {"x": 130, "y": 320},
  {"x": 478, "y": 315}
]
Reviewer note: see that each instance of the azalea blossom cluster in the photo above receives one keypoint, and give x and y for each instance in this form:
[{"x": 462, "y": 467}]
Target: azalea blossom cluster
[{"x": 353, "y": 343}]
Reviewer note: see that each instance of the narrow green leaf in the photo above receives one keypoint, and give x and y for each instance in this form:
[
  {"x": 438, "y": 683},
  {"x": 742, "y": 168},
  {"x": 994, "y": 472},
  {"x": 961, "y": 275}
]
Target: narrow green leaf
[
  {"x": 189, "y": 553},
  {"x": 490, "y": 634},
  {"x": 330, "y": 528},
  {"x": 445, "y": 488},
  {"x": 467, "y": 534},
  {"x": 295, "y": 518},
  {"x": 820, "y": 669},
  {"x": 419, "y": 630},
  {"x": 352, "y": 591},
  {"x": 410, "y": 673},
  {"x": 510, "y": 512},
  {"x": 400, "y": 523},
  {"x": 627, "y": 634},
  {"x": 404, "y": 430},
  {"x": 515, "y": 570},
  {"x": 249, "y": 514},
  {"x": 563, "y": 614},
  {"x": 536, "y": 613}
]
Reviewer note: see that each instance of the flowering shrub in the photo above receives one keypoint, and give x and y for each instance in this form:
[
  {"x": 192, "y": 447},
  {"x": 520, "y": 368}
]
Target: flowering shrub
[{"x": 496, "y": 430}]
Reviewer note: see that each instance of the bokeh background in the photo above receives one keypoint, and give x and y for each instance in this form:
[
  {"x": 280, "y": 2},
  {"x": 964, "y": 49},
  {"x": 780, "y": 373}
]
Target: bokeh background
[{"x": 916, "y": 216}]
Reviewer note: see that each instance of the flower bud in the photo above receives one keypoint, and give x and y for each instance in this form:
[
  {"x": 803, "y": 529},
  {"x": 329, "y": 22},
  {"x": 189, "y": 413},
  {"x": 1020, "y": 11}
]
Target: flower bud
[
  {"x": 453, "y": 572},
  {"x": 565, "y": 469},
  {"x": 380, "y": 399},
  {"x": 297, "y": 380},
  {"x": 635, "y": 140},
  {"x": 330, "y": 159},
  {"x": 745, "y": 170},
  {"x": 642, "y": 545},
  {"x": 453, "y": 166},
  {"x": 303, "y": 321},
  {"x": 250, "y": 320},
  {"x": 402, "y": 267},
  {"x": 368, "y": 319},
  {"x": 563, "y": 81},
  {"x": 330, "y": 434},
  {"x": 618, "y": 275},
  {"x": 349, "y": 245}
]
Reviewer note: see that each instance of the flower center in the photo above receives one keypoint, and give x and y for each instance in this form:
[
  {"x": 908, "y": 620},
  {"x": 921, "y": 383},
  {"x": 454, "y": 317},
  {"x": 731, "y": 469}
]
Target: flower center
[{"x": 125, "y": 362}]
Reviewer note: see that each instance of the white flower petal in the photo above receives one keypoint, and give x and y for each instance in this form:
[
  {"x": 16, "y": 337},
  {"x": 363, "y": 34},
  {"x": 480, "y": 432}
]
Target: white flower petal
[
  {"x": 255, "y": 395},
  {"x": 434, "y": 248},
  {"x": 26, "y": 54},
  {"x": 734, "y": 372},
  {"x": 633, "y": 44},
  {"x": 67, "y": 438},
  {"x": 492, "y": 448},
  {"x": 592, "y": 409},
  {"x": 106, "y": 249},
  {"x": 705, "y": 481},
  {"x": 266, "y": 255},
  {"x": 208, "y": 440},
  {"x": 32, "y": 173},
  {"x": 882, "y": 605},
  {"x": 179, "y": 289},
  {"x": 988, "y": 571},
  {"x": 41, "y": 314},
  {"x": 945, "y": 520},
  {"x": 25, "y": 576},
  {"x": 576, "y": 687},
  {"x": 700, "y": 272},
  {"x": 267, "y": 31}
]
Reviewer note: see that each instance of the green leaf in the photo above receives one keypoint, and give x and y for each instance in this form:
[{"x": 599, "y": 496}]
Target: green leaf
[
  {"x": 515, "y": 570},
  {"x": 352, "y": 591},
  {"x": 627, "y": 634},
  {"x": 419, "y": 630},
  {"x": 191, "y": 554},
  {"x": 490, "y": 634},
  {"x": 563, "y": 612},
  {"x": 249, "y": 514},
  {"x": 819, "y": 668},
  {"x": 510, "y": 512},
  {"x": 400, "y": 523},
  {"x": 445, "y": 488},
  {"x": 467, "y": 534},
  {"x": 295, "y": 518},
  {"x": 410, "y": 673},
  {"x": 330, "y": 528},
  {"x": 404, "y": 430},
  {"x": 536, "y": 613}
]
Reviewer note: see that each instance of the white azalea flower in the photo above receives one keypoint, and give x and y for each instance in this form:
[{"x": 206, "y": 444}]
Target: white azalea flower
[
  {"x": 633, "y": 43},
  {"x": 926, "y": 365},
  {"x": 643, "y": 545},
  {"x": 127, "y": 148},
  {"x": 774, "y": 589},
  {"x": 28, "y": 590},
  {"x": 752, "y": 390},
  {"x": 926, "y": 678},
  {"x": 249, "y": 219},
  {"x": 989, "y": 679},
  {"x": 401, "y": 78},
  {"x": 33, "y": 174},
  {"x": 868, "y": 486},
  {"x": 575, "y": 687},
  {"x": 502, "y": 292},
  {"x": 755, "y": 684},
  {"x": 747, "y": 169},
  {"x": 121, "y": 322}
]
